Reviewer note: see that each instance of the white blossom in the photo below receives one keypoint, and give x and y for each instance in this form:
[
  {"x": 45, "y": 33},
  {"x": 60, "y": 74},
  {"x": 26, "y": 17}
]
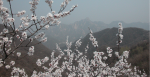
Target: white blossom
[
  {"x": 5, "y": 39},
  {"x": 7, "y": 66},
  {"x": 18, "y": 54},
  {"x": 47, "y": 26},
  {"x": 33, "y": 17},
  {"x": 31, "y": 51},
  {"x": 12, "y": 63}
]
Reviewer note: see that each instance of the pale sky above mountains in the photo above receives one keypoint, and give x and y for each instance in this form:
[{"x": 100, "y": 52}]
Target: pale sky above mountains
[{"x": 96, "y": 10}]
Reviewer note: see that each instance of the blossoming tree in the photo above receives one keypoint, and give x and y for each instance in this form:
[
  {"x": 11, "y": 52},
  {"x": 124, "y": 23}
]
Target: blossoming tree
[
  {"x": 28, "y": 28},
  {"x": 27, "y": 32}
]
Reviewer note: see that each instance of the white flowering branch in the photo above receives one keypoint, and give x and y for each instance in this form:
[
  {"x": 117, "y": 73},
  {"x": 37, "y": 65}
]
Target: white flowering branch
[
  {"x": 119, "y": 34},
  {"x": 12, "y": 33}
]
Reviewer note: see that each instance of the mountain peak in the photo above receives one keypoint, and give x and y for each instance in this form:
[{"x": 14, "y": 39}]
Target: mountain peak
[
  {"x": 116, "y": 22},
  {"x": 87, "y": 18},
  {"x": 83, "y": 20}
]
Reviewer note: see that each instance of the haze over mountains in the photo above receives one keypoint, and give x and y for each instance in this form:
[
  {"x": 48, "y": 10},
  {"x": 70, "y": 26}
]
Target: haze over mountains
[{"x": 58, "y": 34}]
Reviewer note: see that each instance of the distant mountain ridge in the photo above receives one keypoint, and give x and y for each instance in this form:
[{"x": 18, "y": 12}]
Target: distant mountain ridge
[{"x": 80, "y": 29}]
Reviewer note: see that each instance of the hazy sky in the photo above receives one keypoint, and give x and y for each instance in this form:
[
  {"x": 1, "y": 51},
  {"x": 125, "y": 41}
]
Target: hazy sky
[{"x": 97, "y": 10}]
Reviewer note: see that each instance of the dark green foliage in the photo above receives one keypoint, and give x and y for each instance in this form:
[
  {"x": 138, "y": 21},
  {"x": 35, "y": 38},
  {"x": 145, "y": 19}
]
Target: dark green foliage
[{"x": 139, "y": 56}]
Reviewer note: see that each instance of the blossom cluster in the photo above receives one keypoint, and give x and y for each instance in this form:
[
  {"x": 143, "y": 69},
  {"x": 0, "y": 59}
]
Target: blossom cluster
[
  {"x": 20, "y": 13},
  {"x": 17, "y": 72},
  {"x": 109, "y": 51},
  {"x": 94, "y": 42},
  {"x": 40, "y": 35},
  {"x": 86, "y": 67},
  {"x": 64, "y": 3},
  {"x": 25, "y": 22},
  {"x": 86, "y": 48},
  {"x": 119, "y": 34},
  {"x": 24, "y": 35},
  {"x": 49, "y": 2},
  {"x": 8, "y": 66},
  {"x": 42, "y": 61},
  {"x": 33, "y": 5},
  {"x": 78, "y": 43},
  {"x": 31, "y": 51}
]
